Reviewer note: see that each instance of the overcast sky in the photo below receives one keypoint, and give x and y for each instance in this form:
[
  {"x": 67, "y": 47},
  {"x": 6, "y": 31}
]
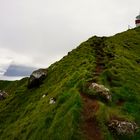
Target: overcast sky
[{"x": 39, "y": 32}]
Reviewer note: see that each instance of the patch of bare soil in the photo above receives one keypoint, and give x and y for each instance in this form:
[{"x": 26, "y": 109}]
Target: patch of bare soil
[
  {"x": 89, "y": 126},
  {"x": 120, "y": 102}
]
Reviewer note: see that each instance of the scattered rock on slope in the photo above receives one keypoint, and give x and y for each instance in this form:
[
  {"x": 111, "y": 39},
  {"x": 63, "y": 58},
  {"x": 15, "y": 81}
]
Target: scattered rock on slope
[
  {"x": 52, "y": 101},
  {"x": 3, "y": 95},
  {"x": 36, "y": 78},
  {"x": 101, "y": 90},
  {"x": 123, "y": 127}
]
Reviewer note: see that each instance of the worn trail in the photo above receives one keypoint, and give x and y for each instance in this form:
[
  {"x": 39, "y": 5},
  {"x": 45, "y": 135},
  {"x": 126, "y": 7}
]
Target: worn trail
[
  {"x": 91, "y": 106},
  {"x": 89, "y": 125}
]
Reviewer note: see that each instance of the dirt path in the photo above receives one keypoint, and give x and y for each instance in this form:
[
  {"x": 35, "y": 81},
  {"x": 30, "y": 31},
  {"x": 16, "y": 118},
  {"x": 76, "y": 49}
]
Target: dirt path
[{"x": 89, "y": 126}]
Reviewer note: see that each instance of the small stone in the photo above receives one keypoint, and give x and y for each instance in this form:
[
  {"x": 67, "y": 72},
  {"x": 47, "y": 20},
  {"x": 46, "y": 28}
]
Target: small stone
[
  {"x": 52, "y": 101},
  {"x": 44, "y": 96}
]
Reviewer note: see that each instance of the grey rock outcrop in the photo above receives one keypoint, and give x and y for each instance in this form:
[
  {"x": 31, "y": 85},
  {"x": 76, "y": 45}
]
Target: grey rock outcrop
[
  {"x": 3, "y": 95},
  {"x": 36, "y": 78},
  {"x": 123, "y": 127},
  {"x": 101, "y": 90}
]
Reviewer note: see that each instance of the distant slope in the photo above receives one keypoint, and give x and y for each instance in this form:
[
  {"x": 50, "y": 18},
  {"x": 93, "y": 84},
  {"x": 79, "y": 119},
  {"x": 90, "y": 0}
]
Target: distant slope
[
  {"x": 19, "y": 70},
  {"x": 111, "y": 61}
]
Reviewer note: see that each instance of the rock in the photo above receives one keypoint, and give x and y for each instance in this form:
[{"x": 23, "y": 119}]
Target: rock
[
  {"x": 101, "y": 90},
  {"x": 36, "y": 78},
  {"x": 44, "y": 96},
  {"x": 52, "y": 101},
  {"x": 123, "y": 127},
  {"x": 3, "y": 95}
]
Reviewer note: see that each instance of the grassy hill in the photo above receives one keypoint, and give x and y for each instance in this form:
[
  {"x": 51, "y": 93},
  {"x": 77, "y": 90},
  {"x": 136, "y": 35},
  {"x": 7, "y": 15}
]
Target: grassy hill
[{"x": 111, "y": 61}]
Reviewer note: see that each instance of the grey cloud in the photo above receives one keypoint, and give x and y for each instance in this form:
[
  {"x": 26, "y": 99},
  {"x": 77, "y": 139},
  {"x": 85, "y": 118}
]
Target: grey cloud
[{"x": 45, "y": 30}]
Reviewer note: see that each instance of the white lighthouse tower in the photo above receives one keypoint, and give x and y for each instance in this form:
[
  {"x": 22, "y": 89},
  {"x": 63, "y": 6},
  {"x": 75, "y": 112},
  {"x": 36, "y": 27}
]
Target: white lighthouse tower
[{"x": 137, "y": 21}]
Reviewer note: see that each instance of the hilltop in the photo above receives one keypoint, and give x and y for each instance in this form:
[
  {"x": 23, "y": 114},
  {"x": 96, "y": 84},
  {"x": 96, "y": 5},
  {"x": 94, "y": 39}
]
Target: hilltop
[{"x": 95, "y": 89}]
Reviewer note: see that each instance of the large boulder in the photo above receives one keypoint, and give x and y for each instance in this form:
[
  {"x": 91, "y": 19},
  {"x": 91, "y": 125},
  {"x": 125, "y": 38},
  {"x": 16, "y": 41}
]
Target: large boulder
[
  {"x": 36, "y": 78},
  {"x": 101, "y": 90},
  {"x": 3, "y": 95},
  {"x": 123, "y": 127}
]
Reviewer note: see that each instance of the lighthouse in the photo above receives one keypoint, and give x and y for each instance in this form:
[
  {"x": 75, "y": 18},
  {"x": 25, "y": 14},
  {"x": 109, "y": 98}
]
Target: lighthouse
[{"x": 137, "y": 21}]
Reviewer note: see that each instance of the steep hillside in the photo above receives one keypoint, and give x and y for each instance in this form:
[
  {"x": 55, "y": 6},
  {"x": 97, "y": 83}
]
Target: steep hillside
[{"x": 80, "y": 112}]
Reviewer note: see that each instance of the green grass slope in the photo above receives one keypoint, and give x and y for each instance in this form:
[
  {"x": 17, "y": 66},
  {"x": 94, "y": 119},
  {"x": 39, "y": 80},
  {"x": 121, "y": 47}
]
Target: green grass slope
[{"x": 26, "y": 115}]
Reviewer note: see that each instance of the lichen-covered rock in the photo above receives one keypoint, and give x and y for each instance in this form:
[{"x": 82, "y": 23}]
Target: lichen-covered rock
[
  {"x": 3, "y": 95},
  {"x": 123, "y": 127},
  {"x": 36, "y": 78},
  {"x": 101, "y": 90}
]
